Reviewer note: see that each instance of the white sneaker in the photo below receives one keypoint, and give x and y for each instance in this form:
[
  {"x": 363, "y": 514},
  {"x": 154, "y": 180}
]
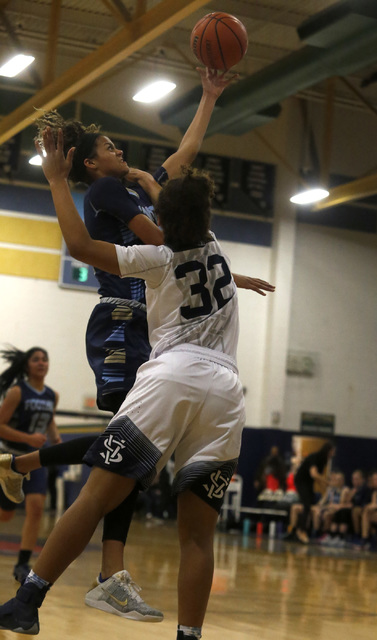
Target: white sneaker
[
  {"x": 338, "y": 542},
  {"x": 119, "y": 595},
  {"x": 11, "y": 481}
]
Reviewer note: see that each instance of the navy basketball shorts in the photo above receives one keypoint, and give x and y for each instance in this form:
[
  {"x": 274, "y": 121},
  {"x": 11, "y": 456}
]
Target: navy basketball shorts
[
  {"x": 36, "y": 484},
  {"x": 189, "y": 402},
  {"x": 116, "y": 345}
]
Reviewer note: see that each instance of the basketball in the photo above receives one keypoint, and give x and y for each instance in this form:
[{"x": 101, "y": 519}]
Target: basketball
[{"x": 219, "y": 40}]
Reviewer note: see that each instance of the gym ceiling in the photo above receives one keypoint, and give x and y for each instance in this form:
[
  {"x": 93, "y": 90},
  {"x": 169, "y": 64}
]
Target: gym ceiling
[{"x": 318, "y": 50}]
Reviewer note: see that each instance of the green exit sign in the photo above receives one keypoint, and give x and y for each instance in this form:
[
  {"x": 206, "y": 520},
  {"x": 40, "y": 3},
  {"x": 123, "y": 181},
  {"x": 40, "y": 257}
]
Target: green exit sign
[{"x": 80, "y": 274}]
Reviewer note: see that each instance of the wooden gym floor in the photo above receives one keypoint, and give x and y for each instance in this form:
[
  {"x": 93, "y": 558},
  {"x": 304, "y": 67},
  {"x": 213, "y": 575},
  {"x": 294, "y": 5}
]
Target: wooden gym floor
[{"x": 263, "y": 589}]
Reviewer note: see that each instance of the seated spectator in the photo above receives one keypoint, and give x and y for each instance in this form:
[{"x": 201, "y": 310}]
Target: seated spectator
[
  {"x": 369, "y": 514},
  {"x": 334, "y": 499},
  {"x": 347, "y": 519}
]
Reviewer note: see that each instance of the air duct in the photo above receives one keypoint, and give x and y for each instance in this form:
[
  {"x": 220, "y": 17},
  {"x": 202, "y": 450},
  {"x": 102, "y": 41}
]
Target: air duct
[{"x": 345, "y": 40}]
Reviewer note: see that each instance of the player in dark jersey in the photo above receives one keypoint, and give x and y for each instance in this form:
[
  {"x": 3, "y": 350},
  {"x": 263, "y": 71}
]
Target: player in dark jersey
[{"x": 26, "y": 421}]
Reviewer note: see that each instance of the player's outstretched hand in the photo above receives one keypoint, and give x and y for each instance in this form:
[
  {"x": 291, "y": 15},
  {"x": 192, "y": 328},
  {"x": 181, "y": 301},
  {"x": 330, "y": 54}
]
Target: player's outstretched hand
[
  {"x": 146, "y": 181},
  {"x": 54, "y": 164},
  {"x": 216, "y": 81},
  {"x": 254, "y": 284}
]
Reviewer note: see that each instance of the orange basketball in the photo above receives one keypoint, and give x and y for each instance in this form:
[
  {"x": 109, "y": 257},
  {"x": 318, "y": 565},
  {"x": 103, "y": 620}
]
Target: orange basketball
[{"x": 219, "y": 40}]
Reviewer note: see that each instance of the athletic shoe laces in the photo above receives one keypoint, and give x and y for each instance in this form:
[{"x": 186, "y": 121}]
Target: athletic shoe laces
[{"x": 129, "y": 585}]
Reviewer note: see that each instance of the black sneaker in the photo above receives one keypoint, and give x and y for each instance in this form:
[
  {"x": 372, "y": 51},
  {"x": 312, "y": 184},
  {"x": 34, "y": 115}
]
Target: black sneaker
[
  {"x": 181, "y": 636},
  {"x": 20, "y": 572},
  {"x": 20, "y": 614}
]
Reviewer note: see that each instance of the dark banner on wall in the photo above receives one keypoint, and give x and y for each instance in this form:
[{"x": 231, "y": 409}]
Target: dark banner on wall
[
  {"x": 9, "y": 155},
  {"x": 241, "y": 186}
]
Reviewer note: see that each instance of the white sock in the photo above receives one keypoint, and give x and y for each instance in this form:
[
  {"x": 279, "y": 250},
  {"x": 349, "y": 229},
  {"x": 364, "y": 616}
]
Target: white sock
[{"x": 40, "y": 582}]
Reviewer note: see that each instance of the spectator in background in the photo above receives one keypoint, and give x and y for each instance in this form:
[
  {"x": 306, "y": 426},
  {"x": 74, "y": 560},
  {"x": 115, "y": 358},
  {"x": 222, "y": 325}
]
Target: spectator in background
[
  {"x": 313, "y": 468},
  {"x": 271, "y": 476},
  {"x": 347, "y": 518},
  {"x": 335, "y": 496},
  {"x": 369, "y": 514}
]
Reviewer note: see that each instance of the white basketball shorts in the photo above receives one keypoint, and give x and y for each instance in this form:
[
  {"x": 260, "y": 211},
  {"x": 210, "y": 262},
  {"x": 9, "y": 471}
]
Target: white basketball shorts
[{"x": 187, "y": 402}]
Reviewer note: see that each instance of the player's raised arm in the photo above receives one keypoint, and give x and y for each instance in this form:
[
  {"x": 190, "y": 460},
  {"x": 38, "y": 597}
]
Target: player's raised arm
[
  {"x": 80, "y": 245},
  {"x": 213, "y": 83}
]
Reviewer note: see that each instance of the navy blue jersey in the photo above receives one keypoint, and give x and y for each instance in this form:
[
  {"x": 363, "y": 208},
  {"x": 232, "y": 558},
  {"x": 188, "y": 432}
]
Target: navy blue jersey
[
  {"x": 362, "y": 496},
  {"x": 33, "y": 414},
  {"x": 109, "y": 206}
]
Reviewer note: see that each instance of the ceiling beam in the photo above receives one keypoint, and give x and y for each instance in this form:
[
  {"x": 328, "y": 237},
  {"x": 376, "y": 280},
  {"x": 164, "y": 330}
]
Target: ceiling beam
[
  {"x": 354, "y": 190},
  {"x": 122, "y": 9},
  {"x": 141, "y": 7},
  {"x": 328, "y": 132},
  {"x": 117, "y": 12},
  {"x": 124, "y": 43},
  {"x": 52, "y": 42}
]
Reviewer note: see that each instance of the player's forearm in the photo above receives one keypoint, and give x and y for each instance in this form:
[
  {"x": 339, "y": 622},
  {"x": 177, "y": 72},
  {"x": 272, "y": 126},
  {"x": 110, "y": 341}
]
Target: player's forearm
[
  {"x": 193, "y": 138},
  {"x": 13, "y": 435},
  {"x": 195, "y": 133},
  {"x": 73, "y": 229}
]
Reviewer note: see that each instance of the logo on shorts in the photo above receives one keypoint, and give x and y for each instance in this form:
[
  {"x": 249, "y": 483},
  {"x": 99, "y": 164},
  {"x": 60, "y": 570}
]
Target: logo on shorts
[
  {"x": 113, "y": 447},
  {"x": 218, "y": 486}
]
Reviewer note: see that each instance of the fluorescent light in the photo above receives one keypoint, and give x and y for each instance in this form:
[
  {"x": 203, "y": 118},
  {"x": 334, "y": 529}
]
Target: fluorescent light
[
  {"x": 37, "y": 160},
  {"x": 16, "y": 65},
  {"x": 154, "y": 91},
  {"x": 309, "y": 196}
]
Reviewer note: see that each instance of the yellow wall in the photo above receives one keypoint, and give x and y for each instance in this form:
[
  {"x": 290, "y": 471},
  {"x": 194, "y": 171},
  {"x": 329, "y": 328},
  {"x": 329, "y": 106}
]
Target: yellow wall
[{"x": 34, "y": 246}]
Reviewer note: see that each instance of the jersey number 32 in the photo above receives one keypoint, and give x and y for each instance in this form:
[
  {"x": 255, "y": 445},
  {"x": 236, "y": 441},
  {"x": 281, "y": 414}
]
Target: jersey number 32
[{"x": 209, "y": 292}]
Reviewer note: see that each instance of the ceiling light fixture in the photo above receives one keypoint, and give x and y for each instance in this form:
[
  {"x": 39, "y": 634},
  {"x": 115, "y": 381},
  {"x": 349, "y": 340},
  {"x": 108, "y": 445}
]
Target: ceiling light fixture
[
  {"x": 154, "y": 91},
  {"x": 15, "y": 65},
  {"x": 36, "y": 161},
  {"x": 309, "y": 196}
]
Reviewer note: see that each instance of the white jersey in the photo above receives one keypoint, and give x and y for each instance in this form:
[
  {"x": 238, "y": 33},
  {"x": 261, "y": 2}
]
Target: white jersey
[{"x": 191, "y": 295}]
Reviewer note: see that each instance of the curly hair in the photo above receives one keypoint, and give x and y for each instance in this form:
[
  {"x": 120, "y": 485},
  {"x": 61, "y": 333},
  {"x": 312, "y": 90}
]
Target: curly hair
[
  {"x": 184, "y": 209},
  {"x": 17, "y": 370},
  {"x": 76, "y": 135}
]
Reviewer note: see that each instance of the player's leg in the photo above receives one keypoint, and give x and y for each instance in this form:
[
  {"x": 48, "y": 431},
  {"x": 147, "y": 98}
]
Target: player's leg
[
  {"x": 35, "y": 487},
  {"x": 205, "y": 460},
  {"x": 14, "y": 468},
  {"x": 119, "y": 327},
  {"x": 116, "y": 524},
  {"x": 70, "y": 452},
  {"x": 196, "y": 526},
  {"x": 34, "y": 506},
  {"x": 116, "y": 527},
  {"x": 102, "y": 492},
  {"x": 113, "y": 576}
]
